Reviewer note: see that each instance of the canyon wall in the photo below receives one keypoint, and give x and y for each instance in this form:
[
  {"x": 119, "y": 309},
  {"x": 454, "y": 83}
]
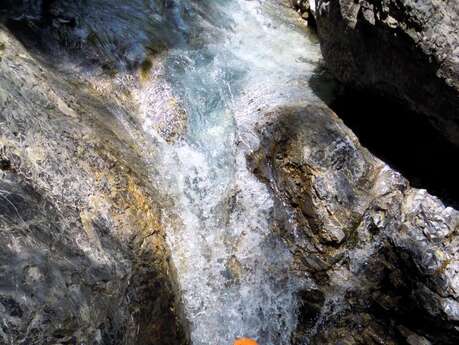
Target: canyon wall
[
  {"x": 382, "y": 255},
  {"x": 84, "y": 257},
  {"x": 83, "y": 253},
  {"x": 406, "y": 50}
]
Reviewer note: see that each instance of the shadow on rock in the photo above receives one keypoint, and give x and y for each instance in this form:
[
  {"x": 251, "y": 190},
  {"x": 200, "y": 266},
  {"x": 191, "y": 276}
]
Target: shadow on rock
[
  {"x": 401, "y": 138},
  {"x": 61, "y": 284},
  {"x": 112, "y": 35},
  {"x": 381, "y": 254}
]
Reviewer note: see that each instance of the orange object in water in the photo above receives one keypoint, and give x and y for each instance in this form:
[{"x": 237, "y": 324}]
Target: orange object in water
[{"x": 245, "y": 341}]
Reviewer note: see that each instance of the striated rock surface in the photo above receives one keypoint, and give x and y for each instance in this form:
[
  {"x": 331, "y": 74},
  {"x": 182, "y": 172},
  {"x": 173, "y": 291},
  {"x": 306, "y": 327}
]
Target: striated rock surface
[
  {"x": 404, "y": 49},
  {"x": 83, "y": 258},
  {"x": 382, "y": 256}
]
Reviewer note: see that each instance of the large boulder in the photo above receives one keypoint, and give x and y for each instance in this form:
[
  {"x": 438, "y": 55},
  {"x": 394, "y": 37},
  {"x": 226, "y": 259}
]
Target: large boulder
[
  {"x": 404, "y": 49},
  {"x": 382, "y": 256},
  {"x": 83, "y": 257}
]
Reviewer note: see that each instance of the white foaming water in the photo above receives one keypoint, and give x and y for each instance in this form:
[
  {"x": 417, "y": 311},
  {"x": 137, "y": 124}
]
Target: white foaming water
[{"x": 234, "y": 271}]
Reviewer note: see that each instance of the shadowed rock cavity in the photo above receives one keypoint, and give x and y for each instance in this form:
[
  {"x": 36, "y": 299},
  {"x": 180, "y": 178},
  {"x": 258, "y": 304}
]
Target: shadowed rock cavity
[
  {"x": 306, "y": 9},
  {"x": 382, "y": 255},
  {"x": 406, "y": 50},
  {"x": 403, "y": 139}
]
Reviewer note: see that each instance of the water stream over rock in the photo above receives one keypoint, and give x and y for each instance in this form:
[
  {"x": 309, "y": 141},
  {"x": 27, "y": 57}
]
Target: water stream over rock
[
  {"x": 170, "y": 176},
  {"x": 234, "y": 271}
]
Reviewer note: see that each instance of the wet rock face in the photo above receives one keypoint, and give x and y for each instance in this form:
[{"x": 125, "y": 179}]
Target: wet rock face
[
  {"x": 122, "y": 34},
  {"x": 407, "y": 50},
  {"x": 382, "y": 256},
  {"x": 83, "y": 258}
]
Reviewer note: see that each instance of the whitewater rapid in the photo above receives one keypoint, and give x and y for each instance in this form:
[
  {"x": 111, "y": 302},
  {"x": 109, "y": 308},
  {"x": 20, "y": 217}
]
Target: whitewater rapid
[{"x": 236, "y": 59}]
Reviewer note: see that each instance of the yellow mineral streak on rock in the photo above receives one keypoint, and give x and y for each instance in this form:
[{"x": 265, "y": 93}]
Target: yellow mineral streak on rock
[
  {"x": 64, "y": 108},
  {"x": 121, "y": 197},
  {"x": 141, "y": 208},
  {"x": 86, "y": 220}
]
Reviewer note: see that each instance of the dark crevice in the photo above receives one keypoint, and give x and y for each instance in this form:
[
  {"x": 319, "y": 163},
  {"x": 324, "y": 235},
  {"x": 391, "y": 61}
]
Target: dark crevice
[
  {"x": 304, "y": 10},
  {"x": 5, "y": 164},
  {"x": 401, "y": 138},
  {"x": 409, "y": 312}
]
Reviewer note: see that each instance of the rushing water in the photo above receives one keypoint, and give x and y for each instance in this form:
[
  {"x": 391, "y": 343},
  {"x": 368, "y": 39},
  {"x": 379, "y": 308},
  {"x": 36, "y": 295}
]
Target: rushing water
[{"x": 234, "y": 60}]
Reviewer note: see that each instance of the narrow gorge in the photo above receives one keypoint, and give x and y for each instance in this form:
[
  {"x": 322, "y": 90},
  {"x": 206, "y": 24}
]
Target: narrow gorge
[{"x": 192, "y": 172}]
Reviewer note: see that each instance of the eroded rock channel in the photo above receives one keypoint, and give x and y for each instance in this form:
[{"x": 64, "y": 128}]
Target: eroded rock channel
[{"x": 169, "y": 174}]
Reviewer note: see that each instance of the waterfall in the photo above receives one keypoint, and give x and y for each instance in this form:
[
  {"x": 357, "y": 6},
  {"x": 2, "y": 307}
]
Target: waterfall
[{"x": 235, "y": 59}]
